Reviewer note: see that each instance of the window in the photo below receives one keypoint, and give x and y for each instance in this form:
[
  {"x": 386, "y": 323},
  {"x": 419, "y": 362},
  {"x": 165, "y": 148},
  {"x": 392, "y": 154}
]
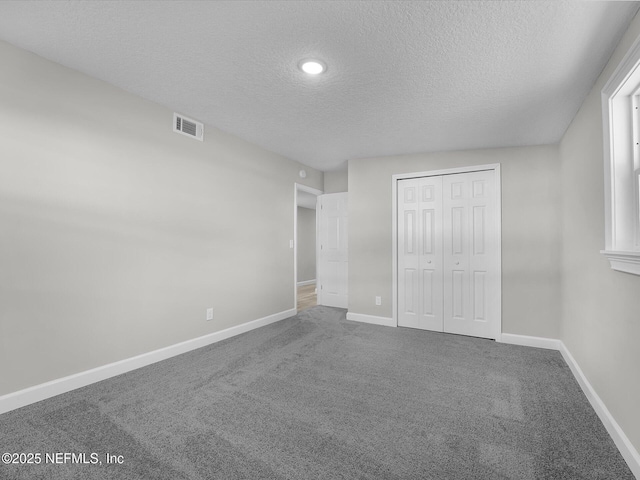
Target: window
[
  {"x": 621, "y": 122},
  {"x": 637, "y": 195}
]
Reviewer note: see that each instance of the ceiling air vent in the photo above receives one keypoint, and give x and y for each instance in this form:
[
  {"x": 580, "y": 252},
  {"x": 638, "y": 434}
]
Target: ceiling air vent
[{"x": 187, "y": 126}]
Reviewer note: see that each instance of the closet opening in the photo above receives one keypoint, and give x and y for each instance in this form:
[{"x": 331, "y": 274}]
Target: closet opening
[{"x": 447, "y": 251}]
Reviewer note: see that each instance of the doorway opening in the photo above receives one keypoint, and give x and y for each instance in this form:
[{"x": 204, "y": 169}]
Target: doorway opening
[{"x": 305, "y": 246}]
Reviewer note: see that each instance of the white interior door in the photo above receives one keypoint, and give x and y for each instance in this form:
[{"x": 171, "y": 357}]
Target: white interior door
[
  {"x": 332, "y": 256},
  {"x": 469, "y": 254},
  {"x": 447, "y": 254},
  {"x": 420, "y": 255}
]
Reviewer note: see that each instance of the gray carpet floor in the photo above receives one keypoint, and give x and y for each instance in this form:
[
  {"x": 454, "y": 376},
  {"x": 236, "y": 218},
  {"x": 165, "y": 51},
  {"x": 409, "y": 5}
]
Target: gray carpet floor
[{"x": 319, "y": 397}]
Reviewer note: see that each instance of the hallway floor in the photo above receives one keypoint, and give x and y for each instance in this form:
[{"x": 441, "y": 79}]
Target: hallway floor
[{"x": 307, "y": 296}]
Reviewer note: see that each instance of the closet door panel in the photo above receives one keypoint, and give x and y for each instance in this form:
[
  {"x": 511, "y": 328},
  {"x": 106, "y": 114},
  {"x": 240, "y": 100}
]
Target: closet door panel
[
  {"x": 469, "y": 258},
  {"x": 420, "y": 253}
]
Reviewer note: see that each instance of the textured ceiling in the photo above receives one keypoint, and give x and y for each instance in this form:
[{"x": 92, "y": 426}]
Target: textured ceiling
[{"x": 402, "y": 77}]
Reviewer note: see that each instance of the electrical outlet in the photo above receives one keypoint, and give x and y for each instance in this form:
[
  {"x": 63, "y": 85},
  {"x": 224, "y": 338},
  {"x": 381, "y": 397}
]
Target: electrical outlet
[
  {"x": 378, "y": 300},
  {"x": 209, "y": 314}
]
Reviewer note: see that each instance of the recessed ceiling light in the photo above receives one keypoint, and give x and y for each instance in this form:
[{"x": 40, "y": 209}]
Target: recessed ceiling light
[{"x": 312, "y": 67}]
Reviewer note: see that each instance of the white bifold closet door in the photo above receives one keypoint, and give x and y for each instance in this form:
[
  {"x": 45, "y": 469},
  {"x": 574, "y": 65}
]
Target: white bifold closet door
[
  {"x": 447, "y": 276},
  {"x": 420, "y": 258}
]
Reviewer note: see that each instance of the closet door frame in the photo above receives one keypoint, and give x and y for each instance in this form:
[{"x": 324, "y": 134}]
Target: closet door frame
[{"x": 495, "y": 167}]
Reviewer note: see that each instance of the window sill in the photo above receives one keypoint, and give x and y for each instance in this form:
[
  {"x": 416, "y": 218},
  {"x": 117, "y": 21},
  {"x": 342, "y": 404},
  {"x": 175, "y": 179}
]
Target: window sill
[{"x": 628, "y": 262}]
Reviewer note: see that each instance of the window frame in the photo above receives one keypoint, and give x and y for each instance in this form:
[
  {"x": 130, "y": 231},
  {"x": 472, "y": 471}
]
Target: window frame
[{"x": 621, "y": 128}]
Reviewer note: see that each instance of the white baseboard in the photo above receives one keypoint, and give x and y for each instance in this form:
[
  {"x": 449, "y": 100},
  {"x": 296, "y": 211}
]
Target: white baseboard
[
  {"x": 50, "y": 389},
  {"x": 527, "y": 341},
  {"x": 306, "y": 282},
  {"x": 360, "y": 317},
  {"x": 627, "y": 450}
]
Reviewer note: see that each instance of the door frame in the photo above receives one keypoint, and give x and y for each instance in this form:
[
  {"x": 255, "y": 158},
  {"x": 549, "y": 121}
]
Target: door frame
[
  {"x": 312, "y": 191},
  {"x": 498, "y": 231}
]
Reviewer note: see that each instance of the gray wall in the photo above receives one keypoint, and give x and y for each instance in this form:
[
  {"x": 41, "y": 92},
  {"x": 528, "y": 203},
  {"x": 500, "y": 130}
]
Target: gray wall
[
  {"x": 336, "y": 182},
  {"x": 117, "y": 233},
  {"x": 306, "y": 244},
  {"x": 601, "y": 307},
  {"x": 530, "y": 232}
]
